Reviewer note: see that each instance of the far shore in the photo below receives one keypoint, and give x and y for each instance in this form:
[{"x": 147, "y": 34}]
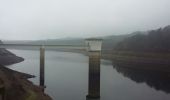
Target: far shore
[
  {"x": 145, "y": 61},
  {"x": 153, "y": 62}
]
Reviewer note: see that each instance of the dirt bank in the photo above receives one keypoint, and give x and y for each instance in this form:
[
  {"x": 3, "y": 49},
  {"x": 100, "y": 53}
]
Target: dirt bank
[
  {"x": 15, "y": 86},
  {"x": 8, "y": 58}
]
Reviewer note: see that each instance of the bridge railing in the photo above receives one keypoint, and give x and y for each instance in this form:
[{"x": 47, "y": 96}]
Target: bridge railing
[{"x": 37, "y": 46}]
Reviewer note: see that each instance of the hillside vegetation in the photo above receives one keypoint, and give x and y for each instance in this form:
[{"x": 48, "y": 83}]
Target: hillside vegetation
[
  {"x": 154, "y": 41},
  {"x": 151, "y": 47}
]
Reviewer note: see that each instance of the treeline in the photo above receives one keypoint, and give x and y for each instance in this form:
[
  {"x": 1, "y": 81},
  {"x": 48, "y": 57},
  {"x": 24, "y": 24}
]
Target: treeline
[{"x": 157, "y": 41}]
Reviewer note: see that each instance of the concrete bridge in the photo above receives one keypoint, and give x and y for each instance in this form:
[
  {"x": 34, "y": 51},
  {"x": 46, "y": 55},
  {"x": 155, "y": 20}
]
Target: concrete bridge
[{"x": 93, "y": 48}]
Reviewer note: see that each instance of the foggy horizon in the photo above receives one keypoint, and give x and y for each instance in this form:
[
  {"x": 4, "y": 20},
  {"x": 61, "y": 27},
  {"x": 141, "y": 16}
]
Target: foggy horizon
[{"x": 56, "y": 19}]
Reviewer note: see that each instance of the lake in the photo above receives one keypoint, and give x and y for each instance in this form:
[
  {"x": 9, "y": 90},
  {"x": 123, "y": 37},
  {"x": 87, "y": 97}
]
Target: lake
[{"x": 66, "y": 78}]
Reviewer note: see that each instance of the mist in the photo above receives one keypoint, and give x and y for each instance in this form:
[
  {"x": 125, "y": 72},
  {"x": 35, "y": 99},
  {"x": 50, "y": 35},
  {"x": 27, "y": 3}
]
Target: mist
[{"x": 53, "y": 19}]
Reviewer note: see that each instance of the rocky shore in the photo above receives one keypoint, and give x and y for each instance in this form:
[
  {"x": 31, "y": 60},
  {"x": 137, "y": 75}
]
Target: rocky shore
[
  {"x": 14, "y": 85},
  {"x": 8, "y": 58}
]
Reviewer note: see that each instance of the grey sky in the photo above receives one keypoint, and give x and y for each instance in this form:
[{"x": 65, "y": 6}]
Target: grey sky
[{"x": 42, "y": 19}]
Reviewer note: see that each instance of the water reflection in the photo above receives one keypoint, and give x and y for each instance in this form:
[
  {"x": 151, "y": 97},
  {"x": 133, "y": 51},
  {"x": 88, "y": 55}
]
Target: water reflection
[
  {"x": 154, "y": 79},
  {"x": 67, "y": 78}
]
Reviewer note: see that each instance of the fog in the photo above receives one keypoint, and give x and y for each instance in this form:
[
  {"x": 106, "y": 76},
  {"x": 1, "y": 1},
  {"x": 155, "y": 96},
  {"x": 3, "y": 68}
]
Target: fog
[{"x": 50, "y": 19}]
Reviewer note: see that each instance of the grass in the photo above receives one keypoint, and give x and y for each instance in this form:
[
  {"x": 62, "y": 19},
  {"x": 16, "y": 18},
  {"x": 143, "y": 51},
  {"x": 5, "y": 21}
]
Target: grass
[{"x": 32, "y": 95}]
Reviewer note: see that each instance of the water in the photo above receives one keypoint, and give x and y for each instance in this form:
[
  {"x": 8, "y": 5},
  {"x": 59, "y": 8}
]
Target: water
[{"x": 66, "y": 78}]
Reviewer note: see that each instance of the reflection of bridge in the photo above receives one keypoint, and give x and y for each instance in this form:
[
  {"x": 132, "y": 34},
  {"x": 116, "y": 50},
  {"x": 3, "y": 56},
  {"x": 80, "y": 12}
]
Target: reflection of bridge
[{"x": 93, "y": 47}]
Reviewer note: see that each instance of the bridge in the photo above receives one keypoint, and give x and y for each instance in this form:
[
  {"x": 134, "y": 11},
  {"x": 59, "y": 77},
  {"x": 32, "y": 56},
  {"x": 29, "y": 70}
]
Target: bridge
[{"x": 92, "y": 47}]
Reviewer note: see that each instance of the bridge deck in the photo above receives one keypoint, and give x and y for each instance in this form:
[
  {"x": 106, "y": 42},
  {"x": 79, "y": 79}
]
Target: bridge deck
[{"x": 37, "y": 46}]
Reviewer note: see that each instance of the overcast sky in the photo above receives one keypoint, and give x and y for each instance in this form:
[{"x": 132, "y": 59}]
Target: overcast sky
[{"x": 43, "y": 19}]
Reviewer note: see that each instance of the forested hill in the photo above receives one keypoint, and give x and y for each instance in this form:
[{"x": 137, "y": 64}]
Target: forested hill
[{"x": 154, "y": 41}]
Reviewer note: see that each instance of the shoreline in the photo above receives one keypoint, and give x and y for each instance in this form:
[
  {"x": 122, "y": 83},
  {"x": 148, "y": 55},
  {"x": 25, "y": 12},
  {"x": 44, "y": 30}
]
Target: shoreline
[
  {"x": 135, "y": 62},
  {"x": 16, "y": 85},
  {"x": 32, "y": 91}
]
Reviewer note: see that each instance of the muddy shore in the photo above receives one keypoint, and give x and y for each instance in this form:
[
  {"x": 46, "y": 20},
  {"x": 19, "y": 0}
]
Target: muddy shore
[{"x": 15, "y": 85}]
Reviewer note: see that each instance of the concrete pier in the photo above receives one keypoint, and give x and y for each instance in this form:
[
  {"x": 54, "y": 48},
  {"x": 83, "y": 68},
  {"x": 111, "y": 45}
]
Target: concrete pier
[
  {"x": 94, "y": 52},
  {"x": 94, "y": 75},
  {"x": 42, "y": 65}
]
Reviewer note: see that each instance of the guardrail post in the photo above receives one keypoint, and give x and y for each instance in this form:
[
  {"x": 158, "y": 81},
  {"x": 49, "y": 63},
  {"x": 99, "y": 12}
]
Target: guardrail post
[
  {"x": 42, "y": 64},
  {"x": 94, "y": 51}
]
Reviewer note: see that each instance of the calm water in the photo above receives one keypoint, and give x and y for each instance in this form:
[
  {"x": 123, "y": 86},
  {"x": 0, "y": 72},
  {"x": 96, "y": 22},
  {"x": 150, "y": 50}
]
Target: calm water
[{"x": 66, "y": 78}]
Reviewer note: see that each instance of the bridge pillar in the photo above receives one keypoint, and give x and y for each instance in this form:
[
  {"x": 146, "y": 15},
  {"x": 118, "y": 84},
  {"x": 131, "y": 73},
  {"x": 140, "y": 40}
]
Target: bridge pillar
[
  {"x": 94, "y": 52},
  {"x": 42, "y": 64}
]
